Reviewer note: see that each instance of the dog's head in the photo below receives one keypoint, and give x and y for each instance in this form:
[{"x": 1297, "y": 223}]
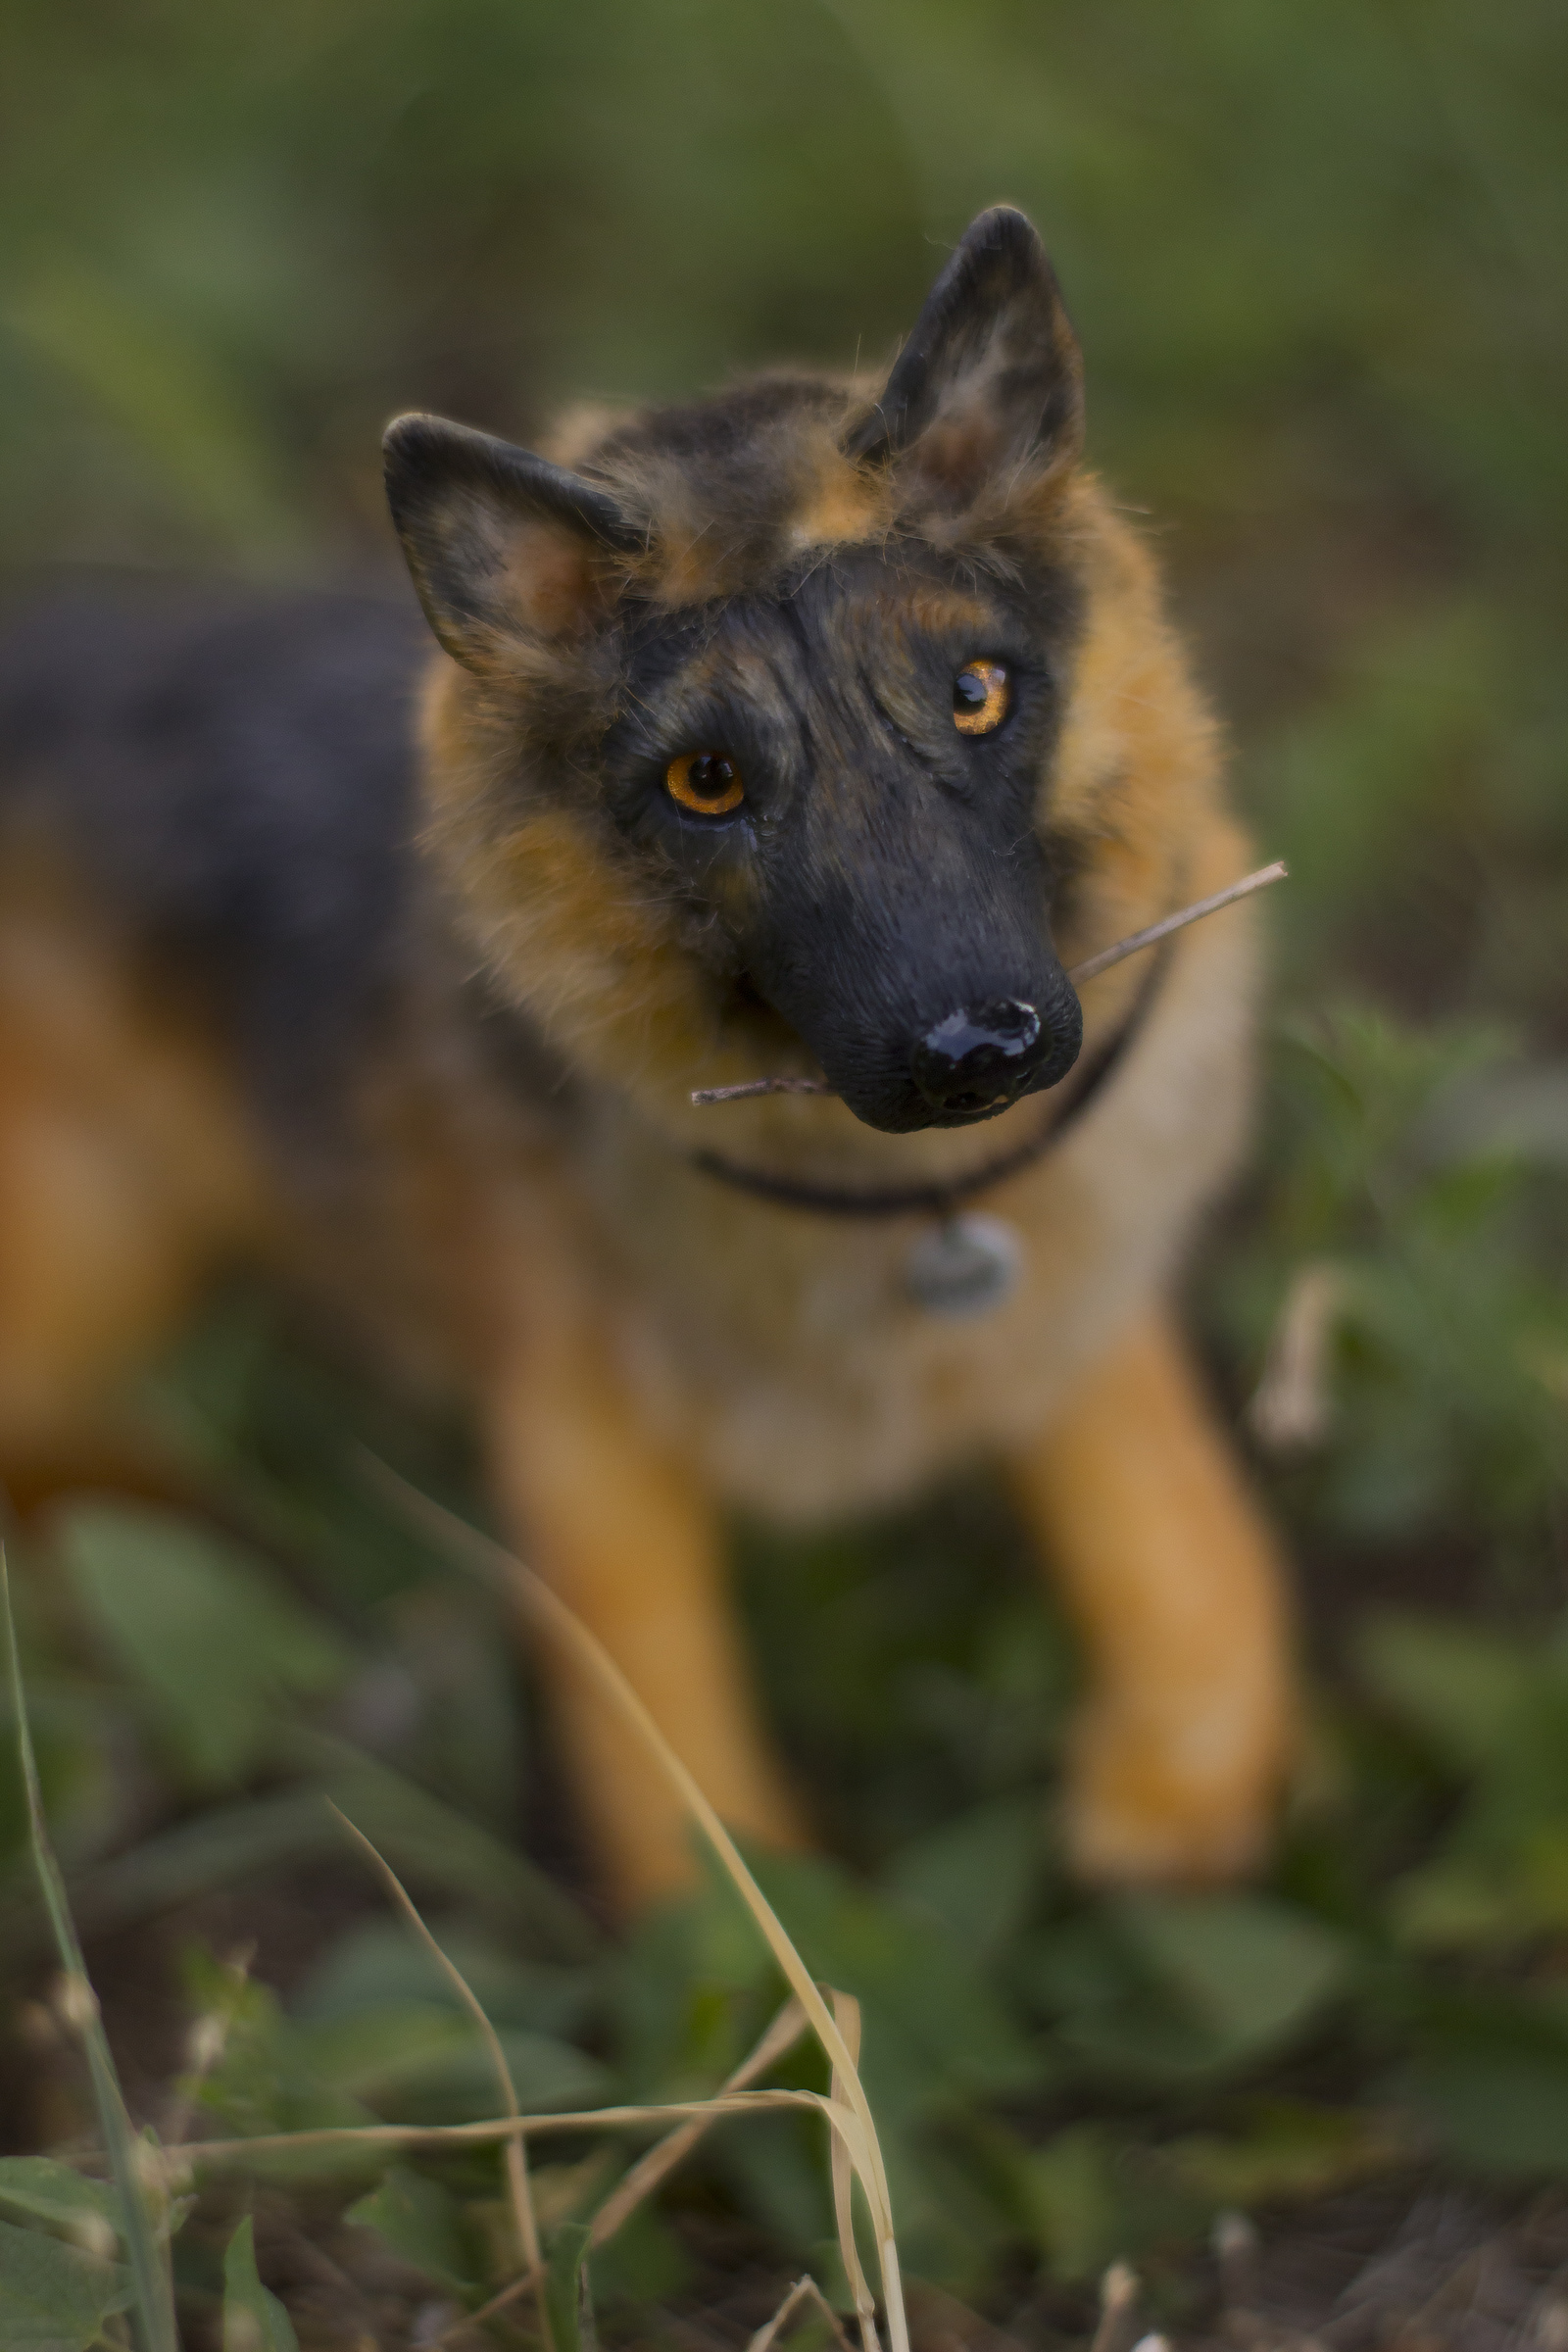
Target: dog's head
[{"x": 757, "y": 705}]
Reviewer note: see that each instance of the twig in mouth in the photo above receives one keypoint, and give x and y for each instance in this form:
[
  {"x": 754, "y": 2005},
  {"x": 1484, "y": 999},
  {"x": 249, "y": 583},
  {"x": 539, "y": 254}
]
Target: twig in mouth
[
  {"x": 760, "y": 1085},
  {"x": 1088, "y": 969},
  {"x": 1138, "y": 940}
]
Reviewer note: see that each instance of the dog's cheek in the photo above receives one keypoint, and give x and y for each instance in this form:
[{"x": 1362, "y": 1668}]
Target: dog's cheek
[{"x": 582, "y": 944}]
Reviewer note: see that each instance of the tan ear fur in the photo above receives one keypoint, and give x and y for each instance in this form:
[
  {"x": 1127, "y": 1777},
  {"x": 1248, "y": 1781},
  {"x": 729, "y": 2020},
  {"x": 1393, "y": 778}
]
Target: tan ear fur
[
  {"x": 987, "y": 395},
  {"x": 505, "y": 549}
]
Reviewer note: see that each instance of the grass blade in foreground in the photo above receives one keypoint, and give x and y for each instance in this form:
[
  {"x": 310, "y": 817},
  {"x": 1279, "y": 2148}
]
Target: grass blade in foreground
[
  {"x": 154, "y": 2293},
  {"x": 850, "y": 2112}
]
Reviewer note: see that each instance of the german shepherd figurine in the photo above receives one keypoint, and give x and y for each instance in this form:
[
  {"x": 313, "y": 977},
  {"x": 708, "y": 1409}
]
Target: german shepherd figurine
[{"x": 788, "y": 734}]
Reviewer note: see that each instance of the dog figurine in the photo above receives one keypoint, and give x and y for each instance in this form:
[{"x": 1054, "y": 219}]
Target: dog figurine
[{"x": 795, "y": 735}]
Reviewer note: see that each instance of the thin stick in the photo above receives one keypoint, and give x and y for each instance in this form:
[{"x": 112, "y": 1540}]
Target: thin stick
[
  {"x": 1136, "y": 941},
  {"x": 517, "y": 2152},
  {"x": 702, "y": 1095},
  {"x": 1089, "y": 970}
]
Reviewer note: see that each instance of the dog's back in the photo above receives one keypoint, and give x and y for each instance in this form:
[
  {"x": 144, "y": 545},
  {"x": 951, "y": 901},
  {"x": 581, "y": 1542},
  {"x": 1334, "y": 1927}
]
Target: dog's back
[
  {"x": 220, "y": 785},
  {"x": 215, "y": 951}
]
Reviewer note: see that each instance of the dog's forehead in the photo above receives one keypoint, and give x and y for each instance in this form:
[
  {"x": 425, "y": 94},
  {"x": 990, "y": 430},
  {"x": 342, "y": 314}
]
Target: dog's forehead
[{"x": 854, "y": 610}]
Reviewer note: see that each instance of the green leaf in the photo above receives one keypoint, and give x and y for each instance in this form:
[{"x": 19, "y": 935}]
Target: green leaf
[
  {"x": 1490, "y": 2076},
  {"x": 644, "y": 2263},
  {"x": 1078, "y": 2208},
  {"x": 566, "y": 2287},
  {"x": 1465, "y": 1902},
  {"x": 380, "y": 1960},
  {"x": 1504, "y": 2109},
  {"x": 263, "y": 2081},
  {"x": 419, "y": 2222},
  {"x": 63, "y": 2197},
  {"x": 217, "y": 1646},
  {"x": 426, "y": 2061},
  {"x": 377, "y": 2051},
  {"x": 934, "y": 2024},
  {"x": 54, "y": 2297},
  {"x": 254, "y": 2320},
  {"x": 974, "y": 1875},
  {"x": 1291, "y": 2151},
  {"x": 1246, "y": 1969},
  {"x": 1459, "y": 1685}
]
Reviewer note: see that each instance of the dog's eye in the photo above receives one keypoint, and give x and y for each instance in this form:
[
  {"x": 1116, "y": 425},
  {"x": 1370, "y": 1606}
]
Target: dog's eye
[
  {"x": 982, "y": 697},
  {"x": 708, "y": 781}
]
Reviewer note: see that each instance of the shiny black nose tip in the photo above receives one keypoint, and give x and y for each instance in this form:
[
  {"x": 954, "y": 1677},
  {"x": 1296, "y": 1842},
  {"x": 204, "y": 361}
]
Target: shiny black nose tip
[{"x": 981, "y": 1058}]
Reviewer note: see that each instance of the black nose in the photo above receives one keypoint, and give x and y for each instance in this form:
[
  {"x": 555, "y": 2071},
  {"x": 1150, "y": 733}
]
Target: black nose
[{"x": 981, "y": 1058}]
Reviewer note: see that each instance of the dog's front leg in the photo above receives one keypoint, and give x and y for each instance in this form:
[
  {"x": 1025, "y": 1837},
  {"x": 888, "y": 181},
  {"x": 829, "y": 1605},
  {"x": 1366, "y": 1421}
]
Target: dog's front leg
[
  {"x": 1179, "y": 1756},
  {"x": 625, "y": 1536}
]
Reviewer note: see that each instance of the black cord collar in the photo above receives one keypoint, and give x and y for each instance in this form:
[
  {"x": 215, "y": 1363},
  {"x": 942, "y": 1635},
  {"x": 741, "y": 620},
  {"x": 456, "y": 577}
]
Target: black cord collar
[{"x": 943, "y": 1197}]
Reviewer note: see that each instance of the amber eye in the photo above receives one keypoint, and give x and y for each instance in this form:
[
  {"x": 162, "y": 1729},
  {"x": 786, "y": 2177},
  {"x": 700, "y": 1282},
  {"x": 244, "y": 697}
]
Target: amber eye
[
  {"x": 982, "y": 697},
  {"x": 708, "y": 781}
]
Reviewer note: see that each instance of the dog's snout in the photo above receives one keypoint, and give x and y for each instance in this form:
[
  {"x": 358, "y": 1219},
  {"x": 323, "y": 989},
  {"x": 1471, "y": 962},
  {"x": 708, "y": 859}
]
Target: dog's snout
[{"x": 981, "y": 1057}]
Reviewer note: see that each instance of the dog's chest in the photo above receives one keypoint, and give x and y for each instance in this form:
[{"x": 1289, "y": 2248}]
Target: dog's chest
[
  {"x": 800, "y": 1359},
  {"x": 790, "y": 1354}
]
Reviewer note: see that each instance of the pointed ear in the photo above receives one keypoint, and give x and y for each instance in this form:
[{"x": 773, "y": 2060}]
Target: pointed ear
[
  {"x": 501, "y": 543},
  {"x": 990, "y": 385}
]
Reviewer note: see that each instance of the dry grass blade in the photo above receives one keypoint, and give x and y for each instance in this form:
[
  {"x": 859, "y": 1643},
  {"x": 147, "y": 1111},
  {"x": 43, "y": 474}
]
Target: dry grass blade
[
  {"x": 493, "y": 2130},
  {"x": 1118, "y": 2310},
  {"x": 517, "y": 2152},
  {"x": 847, "y": 2010},
  {"x": 852, "y": 2115},
  {"x": 149, "y": 2258},
  {"x": 1292, "y": 1409},
  {"x": 1238, "y": 2253},
  {"x": 804, "y": 2290}
]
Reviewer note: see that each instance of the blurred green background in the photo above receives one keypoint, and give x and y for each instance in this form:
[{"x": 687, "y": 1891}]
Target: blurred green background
[{"x": 1315, "y": 257}]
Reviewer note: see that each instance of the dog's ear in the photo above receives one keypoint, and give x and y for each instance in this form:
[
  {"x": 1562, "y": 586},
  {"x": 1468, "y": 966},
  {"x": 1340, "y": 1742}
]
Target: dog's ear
[
  {"x": 989, "y": 387},
  {"x": 501, "y": 544}
]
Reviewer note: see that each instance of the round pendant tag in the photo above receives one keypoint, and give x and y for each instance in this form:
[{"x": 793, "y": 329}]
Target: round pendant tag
[{"x": 964, "y": 1267}]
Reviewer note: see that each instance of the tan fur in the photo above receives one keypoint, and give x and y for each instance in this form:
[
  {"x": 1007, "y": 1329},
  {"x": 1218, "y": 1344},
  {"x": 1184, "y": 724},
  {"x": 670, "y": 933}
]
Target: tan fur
[
  {"x": 1169, "y": 1573},
  {"x": 623, "y": 1530},
  {"x": 124, "y": 1171}
]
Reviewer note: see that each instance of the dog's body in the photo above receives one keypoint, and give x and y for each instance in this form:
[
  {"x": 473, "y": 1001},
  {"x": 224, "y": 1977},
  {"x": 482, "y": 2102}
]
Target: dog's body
[{"x": 701, "y": 801}]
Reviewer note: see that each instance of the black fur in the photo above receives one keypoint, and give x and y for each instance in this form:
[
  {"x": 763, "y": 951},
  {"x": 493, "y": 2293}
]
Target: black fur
[
  {"x": 230, "y": 777},
  {"x": 992, "y": 347}
]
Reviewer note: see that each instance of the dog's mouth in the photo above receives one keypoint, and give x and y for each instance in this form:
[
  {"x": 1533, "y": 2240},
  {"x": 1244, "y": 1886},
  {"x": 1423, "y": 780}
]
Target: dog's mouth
[{"x": 968, "y": 1066}]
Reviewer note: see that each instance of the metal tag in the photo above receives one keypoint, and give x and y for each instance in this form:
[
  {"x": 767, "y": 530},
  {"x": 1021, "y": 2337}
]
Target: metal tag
[{"x": 964, "y": 1267}]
